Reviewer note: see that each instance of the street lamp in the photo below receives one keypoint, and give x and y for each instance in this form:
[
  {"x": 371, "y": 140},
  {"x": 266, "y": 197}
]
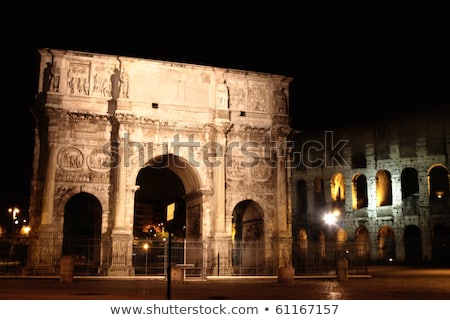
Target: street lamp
[
  {"x": 330, "y": 218},
  {"x": 15, "y": 212},
  {"x": 146, "y": 246}
]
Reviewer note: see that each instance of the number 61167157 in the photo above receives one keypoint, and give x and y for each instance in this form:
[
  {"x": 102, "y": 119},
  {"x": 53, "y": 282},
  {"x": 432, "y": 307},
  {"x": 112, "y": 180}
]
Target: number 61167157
[{"x": 306, "y": 309}]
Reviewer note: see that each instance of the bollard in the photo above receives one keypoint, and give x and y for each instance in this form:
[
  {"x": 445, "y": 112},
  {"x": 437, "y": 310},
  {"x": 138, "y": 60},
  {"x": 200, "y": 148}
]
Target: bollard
[
  {"x": 342, "y": 268},
  {"x": 177, "y": 275},
  {"x": 66, "y": 269},
  {"x": 286, "y": 274}
]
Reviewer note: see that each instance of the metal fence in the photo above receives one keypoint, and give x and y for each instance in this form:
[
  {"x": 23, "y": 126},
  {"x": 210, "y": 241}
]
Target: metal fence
[
  {"x": 13, "y": 255},
  {"x": 320, "y": 257},
  {"x": 151, "y": 258}
]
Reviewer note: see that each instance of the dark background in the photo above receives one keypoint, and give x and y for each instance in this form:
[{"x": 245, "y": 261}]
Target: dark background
[{"x": 349, "y": 64}]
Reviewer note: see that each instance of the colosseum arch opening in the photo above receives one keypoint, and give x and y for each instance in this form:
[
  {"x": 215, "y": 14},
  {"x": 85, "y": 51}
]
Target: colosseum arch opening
[
  {"x": 362, "y": 244},
  {"x": 386, "y": 244},
  {"x": 359, "y": 192},
  {"x": 412, "y": 239},
  {"x": 439, "y": 191},
  {"x": 441, "y": 245}
]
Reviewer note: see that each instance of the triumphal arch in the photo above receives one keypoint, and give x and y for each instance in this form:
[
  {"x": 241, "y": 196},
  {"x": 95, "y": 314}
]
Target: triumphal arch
[{"x": 223, "y": 134}]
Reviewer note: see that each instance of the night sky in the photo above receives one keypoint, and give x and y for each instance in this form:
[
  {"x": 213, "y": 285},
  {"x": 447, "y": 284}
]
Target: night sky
[{"x": 338, "y": 68}]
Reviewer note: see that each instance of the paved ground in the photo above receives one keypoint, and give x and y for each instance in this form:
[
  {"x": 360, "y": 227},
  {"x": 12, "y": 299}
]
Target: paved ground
[{"x": 384, "y": 282}]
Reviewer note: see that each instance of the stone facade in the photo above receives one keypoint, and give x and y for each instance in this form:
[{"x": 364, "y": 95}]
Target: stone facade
[
  {"x": 387, "y": 181},
  {"x": 100, "y": 119}
]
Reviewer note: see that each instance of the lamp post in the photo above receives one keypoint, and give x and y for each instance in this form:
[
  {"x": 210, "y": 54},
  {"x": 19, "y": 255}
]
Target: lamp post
[
  {"x": 170, "y": 215},
  {"x": 146, "y": 246},
  {"x": 15, "y": 212},
  {"x": 331, "y": 219}
]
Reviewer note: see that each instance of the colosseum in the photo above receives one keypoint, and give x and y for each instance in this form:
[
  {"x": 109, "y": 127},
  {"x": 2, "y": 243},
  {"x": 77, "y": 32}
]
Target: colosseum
[{"x": 384, "y": 183}]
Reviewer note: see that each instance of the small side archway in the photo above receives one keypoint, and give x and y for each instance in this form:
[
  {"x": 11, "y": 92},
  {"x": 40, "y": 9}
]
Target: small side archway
[
  {"x": 82, "y": 232},
  {"x": 248, "y": 238}
]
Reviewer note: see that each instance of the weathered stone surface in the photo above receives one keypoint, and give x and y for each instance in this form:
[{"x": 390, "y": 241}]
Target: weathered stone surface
[
  {"x": 103, "y": 118},
  {"x": 384, "y": 178}
]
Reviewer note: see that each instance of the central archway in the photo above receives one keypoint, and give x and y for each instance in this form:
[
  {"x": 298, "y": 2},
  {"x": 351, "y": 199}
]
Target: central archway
[{"x": 166, "y": 180}]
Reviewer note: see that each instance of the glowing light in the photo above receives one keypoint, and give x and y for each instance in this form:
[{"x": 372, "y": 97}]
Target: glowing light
[
  {"x": 25, "y": 230},
  {"x": 330, "y": 218},
  {"x": 146, "y": 246},
  {"x": 439, "y": 194},
  {"x": 15, "y": 211}
]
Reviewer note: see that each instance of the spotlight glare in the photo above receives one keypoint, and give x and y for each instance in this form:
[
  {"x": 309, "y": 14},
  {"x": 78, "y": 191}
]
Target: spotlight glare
[{"x": 330, "y": 218}]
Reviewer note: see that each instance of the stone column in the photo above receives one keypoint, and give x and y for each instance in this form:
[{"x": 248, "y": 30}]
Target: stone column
[
  {"x": 371, "y": 192},
  {"x": 120, "y": 193},
  {"x": 121, "y": 237},
  {"x": 424, "y": 213},
  {"x": 220, "y": 129},
  {"x": 221, "y": 236},
  {"x": 219, "y": 183},
  {"x": 46, "y": 242},
  {"x": 48, "y": 195},
  {"x": 283, "y": 220},
  {"x": 282, "y": 202}
]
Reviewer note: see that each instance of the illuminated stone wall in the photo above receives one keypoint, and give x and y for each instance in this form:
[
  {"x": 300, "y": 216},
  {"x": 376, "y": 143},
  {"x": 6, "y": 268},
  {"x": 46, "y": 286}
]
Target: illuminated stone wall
[
  {"x": 100, "y": 119},
  {"x": 404, "y": 222}
]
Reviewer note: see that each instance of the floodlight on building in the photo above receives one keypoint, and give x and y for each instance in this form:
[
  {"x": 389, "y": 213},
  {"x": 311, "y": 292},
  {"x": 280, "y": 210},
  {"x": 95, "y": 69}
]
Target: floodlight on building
[
  {"x": 439, "y": 194},
  {"x": 329, "y": 218}
]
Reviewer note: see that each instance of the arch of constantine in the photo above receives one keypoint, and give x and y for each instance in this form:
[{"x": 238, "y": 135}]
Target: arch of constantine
[{"x": 120, "y": 139}]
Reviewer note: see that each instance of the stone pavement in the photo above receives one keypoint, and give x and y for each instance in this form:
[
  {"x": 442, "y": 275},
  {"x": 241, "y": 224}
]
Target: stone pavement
[{"x": 388, "y": 282}]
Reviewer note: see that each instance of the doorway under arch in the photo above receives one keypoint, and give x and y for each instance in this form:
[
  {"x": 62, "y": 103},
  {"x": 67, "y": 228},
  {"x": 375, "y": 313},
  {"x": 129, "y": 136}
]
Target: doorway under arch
[
  {"x": 441, "y": 245},
  {"x": 158, "y": 188},
  {"x": 362, "y": 244},
  {"x": 386, "y": 244},
  {"x": 82, "y": 232},
  {"x": 413, "y": 245},
  {"x": 248, "y": 239},
  {"x": 167, "y": 181}
]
